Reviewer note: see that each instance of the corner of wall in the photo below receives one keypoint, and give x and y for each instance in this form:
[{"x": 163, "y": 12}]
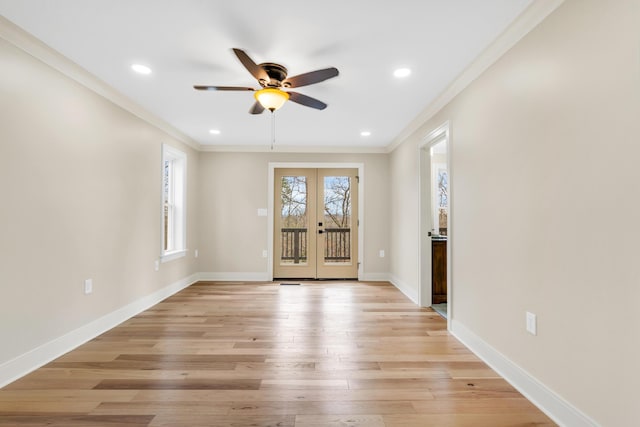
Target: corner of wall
[{"x": 406, "y": 289}]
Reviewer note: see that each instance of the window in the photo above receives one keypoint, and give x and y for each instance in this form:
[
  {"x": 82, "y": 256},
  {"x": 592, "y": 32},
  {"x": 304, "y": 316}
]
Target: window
[{"x": 174, "y": 195}]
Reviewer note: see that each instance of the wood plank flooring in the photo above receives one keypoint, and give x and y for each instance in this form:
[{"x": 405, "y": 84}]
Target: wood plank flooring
[{"x": 261, "y": 354}]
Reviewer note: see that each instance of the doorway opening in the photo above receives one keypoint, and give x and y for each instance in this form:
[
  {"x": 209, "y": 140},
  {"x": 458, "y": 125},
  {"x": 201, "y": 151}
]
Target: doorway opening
[
  {"x": 435, "y": 222},
  {"x": 315, "y": 223}
]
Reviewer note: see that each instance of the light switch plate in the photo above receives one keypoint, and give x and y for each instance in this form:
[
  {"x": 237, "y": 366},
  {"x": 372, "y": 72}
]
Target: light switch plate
[
  {"x": 532, "y": 326},
  {"x": 88, "y": 286}
]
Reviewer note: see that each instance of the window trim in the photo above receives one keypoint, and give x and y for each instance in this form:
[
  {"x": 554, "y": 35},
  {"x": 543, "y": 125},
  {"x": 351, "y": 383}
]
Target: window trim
[{"x": 178, "y": 192}]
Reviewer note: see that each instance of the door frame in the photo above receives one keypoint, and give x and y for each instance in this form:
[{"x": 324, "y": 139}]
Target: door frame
[
  {"x": 313, "y": 165},
  {"x": 441, "y": 133}
]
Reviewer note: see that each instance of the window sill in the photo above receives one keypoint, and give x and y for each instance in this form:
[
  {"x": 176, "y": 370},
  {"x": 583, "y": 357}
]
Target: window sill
[{"x": 170, "y": 256}]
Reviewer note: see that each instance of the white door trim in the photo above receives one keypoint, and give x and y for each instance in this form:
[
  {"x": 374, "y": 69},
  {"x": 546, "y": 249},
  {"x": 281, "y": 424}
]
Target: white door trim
[
  {"x": 441, "y": 133},
  {"x": 312, "y": 165}
]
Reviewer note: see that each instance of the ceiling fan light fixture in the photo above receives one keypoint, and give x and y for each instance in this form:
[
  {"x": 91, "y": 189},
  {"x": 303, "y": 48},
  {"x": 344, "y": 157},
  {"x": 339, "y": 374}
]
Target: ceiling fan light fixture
[{"x": 271, "y": 98}]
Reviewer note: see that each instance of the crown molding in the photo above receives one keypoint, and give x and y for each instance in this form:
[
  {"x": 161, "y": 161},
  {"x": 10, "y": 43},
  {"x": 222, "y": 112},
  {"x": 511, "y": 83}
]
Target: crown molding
[
  {"x": 527, "y": 21},
  {"x": 292, "y": 149},
  {"x": 43, "y": 52}
]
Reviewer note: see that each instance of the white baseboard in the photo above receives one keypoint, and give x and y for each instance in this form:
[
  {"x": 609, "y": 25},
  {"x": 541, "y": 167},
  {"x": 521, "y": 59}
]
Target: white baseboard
[
  {"x": 264, "y": 277},
  {"x": 39, "y": 356},
  {"x": 410, "y": 292},
  {"x": 234, "y": 277},
  {"x": 558, "y": 409},
  {"x": 374, "y": 277}
]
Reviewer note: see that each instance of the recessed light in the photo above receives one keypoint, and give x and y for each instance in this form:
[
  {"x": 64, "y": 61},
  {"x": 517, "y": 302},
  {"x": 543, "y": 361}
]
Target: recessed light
[
  {"x": 141, "y": 69},
  {"x": 402, "y": 72},
  {"x": 214, "y": 132},
  {"x": 365, "y": 133}
]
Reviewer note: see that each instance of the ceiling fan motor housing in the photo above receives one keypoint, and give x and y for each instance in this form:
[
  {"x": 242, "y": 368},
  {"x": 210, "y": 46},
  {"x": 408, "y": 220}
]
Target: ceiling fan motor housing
[{"x": 276, "y": 72}]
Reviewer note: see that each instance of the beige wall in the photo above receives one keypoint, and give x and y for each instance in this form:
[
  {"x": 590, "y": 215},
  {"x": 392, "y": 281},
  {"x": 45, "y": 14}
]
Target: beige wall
[
  {"x": 553, "y": 229},
  {"x": 233, "y": 186},
  {"x": 80, "y": 199}
]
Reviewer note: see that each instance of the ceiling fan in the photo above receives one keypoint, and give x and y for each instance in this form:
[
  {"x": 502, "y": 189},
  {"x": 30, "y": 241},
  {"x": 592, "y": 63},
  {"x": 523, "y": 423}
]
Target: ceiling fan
[{"x": 273, "y": 78}]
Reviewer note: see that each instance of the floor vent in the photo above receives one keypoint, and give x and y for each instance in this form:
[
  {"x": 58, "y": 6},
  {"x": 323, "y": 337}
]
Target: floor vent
[{"x": 289, "y": 284}]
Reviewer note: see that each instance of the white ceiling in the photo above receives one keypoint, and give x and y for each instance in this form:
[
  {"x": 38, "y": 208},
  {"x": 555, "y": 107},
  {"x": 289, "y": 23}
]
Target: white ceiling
[{"x": 188, "y": 42}]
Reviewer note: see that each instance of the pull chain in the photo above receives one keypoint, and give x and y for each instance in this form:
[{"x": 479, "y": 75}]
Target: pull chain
[{"x": 273, "y": 130}]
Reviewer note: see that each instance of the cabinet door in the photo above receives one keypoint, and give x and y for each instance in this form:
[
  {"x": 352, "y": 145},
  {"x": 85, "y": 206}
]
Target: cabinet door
[{"x": 439, "y": 271}]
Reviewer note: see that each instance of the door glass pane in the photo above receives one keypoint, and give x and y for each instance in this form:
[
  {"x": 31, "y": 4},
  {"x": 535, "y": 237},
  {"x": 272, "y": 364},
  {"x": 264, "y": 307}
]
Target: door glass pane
[
  {"x": 440, "y": 188},
  {"x": 337, "y": 219},
  {"x": 294, "y": 224}
]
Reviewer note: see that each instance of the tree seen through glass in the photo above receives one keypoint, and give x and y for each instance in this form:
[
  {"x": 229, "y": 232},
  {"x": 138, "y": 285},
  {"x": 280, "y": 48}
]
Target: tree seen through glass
[
  {"x": 294, "y": 201},
  {"x": 337, "y": 201}
]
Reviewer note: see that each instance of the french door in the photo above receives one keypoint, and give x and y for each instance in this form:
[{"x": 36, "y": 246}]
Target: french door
[{"x": 315, "y": 224}]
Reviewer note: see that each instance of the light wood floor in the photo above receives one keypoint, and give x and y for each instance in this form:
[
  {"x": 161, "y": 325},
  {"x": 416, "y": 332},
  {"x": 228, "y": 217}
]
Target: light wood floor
[{"x": 260, "y": 354}]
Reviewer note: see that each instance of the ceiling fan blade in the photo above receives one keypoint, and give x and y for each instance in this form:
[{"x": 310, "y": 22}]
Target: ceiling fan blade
[
  {"x": 311, "y": 77},
  {"x": 256, "y": 71},
  {"x": 257, "y": 108},
  {"x": 307, "y": 101},
  {"x": 223, "y": 88}
]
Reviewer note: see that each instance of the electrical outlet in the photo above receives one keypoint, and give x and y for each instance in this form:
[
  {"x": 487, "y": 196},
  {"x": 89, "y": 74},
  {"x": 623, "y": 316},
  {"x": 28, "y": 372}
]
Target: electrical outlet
[
  {"x": 381, "y": 253},
  {"x": 195, "y": 253},
  {"x": 532, "y": 326},
  {"x": 156, "y": 265},
  {"x": 88, "y": 286},
  {"x": 265, "y": 253}
]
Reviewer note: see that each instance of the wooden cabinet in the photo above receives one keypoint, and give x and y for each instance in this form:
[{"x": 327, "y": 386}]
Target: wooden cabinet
[{"x": 438, "y": 271}]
